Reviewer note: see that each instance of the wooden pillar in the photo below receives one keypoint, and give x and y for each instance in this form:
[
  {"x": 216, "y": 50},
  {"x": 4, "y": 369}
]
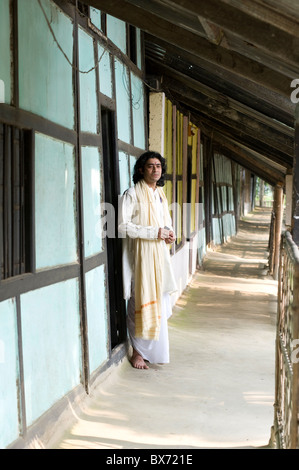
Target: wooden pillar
[
  {"x": 278, "y": 209},
  {"x": 262, "y": 192},
  {"x": 207, "y": 152},
  {"x": 185, "y": 178},
  {"x": 295, "y": 231},
  {"x": 247, "y": 192},
  {"x": 156, "y": 122},
  {"x": 289, "y": 203}
]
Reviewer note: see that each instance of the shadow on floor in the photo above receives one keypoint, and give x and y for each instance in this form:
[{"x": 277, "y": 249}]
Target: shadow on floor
[{"x": 218, "y": 390}]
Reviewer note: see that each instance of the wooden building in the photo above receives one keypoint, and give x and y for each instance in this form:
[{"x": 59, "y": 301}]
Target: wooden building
[{"x": 85, "y": 88}]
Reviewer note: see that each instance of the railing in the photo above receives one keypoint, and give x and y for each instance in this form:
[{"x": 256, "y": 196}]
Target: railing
[{"x": 287, "y": 348}]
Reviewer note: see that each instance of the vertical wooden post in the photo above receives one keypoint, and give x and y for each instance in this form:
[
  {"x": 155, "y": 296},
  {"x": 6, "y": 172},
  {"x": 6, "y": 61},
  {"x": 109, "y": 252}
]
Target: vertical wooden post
[
  {"x": 207, "y": 176},
  {"x": 262, "y": 192},
  {"x": 278, "y": 209},
  {"x": 185, "y": 178},
  {"x": 295, "y": 228},
  {"x": 174, "y": 170},
  {"x": 198, "y": 156},
  {"x": 289, "y": 197}
]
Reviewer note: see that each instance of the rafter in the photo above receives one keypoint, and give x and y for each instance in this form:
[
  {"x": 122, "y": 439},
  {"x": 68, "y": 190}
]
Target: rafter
[
  {"x": 256, "y": 31},
  {"x": 195, "y": 44}
]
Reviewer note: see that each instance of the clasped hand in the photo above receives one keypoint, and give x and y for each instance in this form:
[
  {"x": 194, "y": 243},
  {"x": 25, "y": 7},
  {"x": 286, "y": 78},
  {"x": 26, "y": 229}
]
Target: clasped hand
[{"x": 167, "y": 235}]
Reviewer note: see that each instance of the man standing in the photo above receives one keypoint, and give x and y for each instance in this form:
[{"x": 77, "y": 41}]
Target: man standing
[{"x": 145, "y": 222}]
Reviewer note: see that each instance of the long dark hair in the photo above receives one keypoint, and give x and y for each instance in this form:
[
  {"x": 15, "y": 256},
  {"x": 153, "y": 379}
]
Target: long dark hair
[{"x": 137, "y": 175}]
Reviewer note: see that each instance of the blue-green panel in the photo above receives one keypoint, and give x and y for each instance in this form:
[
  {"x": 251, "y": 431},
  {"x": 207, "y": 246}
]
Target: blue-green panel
[
  {"x": 5, "y": 54},
  {"x": 95, "y": 17},
  {"x": 216, "y": 224},
  {"x": 45, "y": 76},
  {"x": 88, "y": 96},
  {"x": 138, "y": 111},
  {"x": 116, "y": 31},
  {"x": 230, "y": 199},
  {"x": 96, "y": 317},
  {"x": 92, "y": 198},
  {"x": 51, "y": 345},
  {"x": 201, "y": 244},
  {"x": 124, "y": 172},
  {"x": 105, "y": 72},
  {"x": 9, "y": 425},
  {"x": 55, "y": 204},
  {"x": 122, "y": 102}
]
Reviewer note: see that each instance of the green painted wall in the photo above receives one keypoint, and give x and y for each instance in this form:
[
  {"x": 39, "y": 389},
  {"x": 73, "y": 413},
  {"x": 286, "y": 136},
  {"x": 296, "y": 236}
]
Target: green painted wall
[
  {"x": 55, "y": 203},
  {"x": 116, "y": 31},
  {"x": 88, "y": 96},
  {"x": 9, "y": 420},
  {"x": 51, "y": 345},
  {"x": 125, "y": 180},
  {"x": 45, "y": 76},
  {"x": 97, "y": 320},
  {"x": 50, "y": 315},
  {"x": 138, "y": 111},
  {"x": 5, "y": 55},
  {"x": 105, "y": 72},
  {"x": 122, "y": 101},
  {"x": 92, "y": 198}
]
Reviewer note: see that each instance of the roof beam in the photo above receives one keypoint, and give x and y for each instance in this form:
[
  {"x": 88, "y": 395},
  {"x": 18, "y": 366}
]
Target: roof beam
[
  {"x": 201, "y": 117},
  {"x": 284, "y": 14},
  {"x": 228, "y": 112},
  {"x": 256, "y": 31},
  {"x": 195, "y": 44},
  {"x": 225, "y": 81},
  {"x": 249, "y": 160}
]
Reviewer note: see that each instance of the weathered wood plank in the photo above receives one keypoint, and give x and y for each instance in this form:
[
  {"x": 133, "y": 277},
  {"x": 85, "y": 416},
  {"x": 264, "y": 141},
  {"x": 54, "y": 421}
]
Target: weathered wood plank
[
  {"x": 195, "y": 44},
  {"x": 256, "y": 31},
  {"x": 295, "y": 229}
]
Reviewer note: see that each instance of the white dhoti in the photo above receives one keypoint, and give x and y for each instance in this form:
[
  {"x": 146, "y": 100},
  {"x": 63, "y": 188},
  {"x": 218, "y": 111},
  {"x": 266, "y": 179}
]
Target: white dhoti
[{"x": 155, "y": 352}]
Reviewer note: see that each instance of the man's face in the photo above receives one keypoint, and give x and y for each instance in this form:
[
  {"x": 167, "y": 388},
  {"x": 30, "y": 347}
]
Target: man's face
[{"x": 152, "y": 171}]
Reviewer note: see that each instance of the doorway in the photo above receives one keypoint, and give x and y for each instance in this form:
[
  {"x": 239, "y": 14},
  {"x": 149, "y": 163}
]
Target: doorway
[{"x": 117, "y": 307}]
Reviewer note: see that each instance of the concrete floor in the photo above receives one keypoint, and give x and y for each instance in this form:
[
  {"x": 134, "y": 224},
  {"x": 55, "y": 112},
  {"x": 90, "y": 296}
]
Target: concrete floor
[{"x": 218, "y": 390}]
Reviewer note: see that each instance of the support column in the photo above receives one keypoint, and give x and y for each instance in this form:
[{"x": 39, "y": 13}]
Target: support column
[
  {"x": 289, "y": 198},
  {"x": 295, "y": 231},
  {"x": 156, "y": 122},
  {"x": 262, "y": 192},
  {"x": 278, "y": 210}
]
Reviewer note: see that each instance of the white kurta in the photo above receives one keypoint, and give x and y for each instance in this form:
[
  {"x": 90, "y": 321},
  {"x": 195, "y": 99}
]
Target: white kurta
[{"x": 150, "y": 350}]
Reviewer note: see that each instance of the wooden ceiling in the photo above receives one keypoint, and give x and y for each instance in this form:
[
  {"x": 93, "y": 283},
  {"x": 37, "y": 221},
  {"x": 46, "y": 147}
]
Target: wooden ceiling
[{"x": 230, "y": 64}]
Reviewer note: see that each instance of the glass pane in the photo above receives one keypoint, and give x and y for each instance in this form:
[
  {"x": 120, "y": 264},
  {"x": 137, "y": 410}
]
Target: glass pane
[
  {"x": 92, "y": 198},
  {"x": 55, "y": 202}
]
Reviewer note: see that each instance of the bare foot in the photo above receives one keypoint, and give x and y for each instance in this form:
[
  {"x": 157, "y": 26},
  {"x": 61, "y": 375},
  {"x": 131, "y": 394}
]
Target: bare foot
[{"x": 137, "y": 361}]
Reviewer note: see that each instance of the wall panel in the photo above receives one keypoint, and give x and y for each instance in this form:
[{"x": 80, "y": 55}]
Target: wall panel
[
  {"x": 45, "y": 76},
  {"x": 51, "y": 345},
  {"x": 9, "y": 422},
  {"x": 5, "y": 54},
  {"x": 55, "y": 202},
  {"x": 97, "y": 320}
]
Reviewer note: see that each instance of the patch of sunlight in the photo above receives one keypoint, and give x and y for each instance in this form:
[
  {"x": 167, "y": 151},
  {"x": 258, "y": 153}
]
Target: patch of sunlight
[
  {"x": 258, "y": 398},
  {"x": 181, "y": 303},
  {"x": 96, "y": 413},
  {"x": 87, "y": 444}
]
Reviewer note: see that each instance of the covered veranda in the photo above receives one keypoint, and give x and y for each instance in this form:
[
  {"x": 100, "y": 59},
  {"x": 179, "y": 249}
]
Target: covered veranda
[{"x": 219, "y": 389}]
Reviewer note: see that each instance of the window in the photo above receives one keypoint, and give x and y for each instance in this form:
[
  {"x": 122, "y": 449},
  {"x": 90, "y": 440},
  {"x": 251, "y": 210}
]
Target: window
[
  {"x": 132, "y": 44},
  {"x": 15, "y": 157}
]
